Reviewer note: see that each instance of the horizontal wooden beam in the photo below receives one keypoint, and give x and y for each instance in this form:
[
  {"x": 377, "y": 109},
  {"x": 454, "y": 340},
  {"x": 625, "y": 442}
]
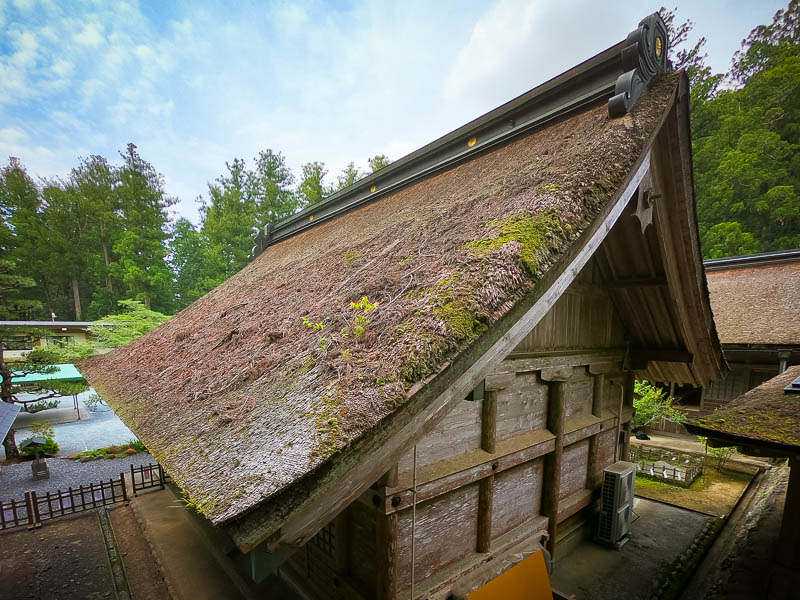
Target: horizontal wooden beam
[
  {"x": 679, "y": 355},
  {"x": 637, "y": 282}
]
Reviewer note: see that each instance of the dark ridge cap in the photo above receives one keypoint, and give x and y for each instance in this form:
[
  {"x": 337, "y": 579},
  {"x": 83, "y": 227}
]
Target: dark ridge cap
[
  {"x": 752, "y": 260},
  {"x": 617, "y": 75}
]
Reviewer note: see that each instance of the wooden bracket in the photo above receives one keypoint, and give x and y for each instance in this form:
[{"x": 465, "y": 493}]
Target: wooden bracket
[
  {"x": 556, "y": 374},
  {"x": 499, "y": 381}
]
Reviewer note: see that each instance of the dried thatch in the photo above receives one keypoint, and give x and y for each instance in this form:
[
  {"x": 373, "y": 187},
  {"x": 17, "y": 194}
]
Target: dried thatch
[
  {"x": 764, "y": 414},
  {"x": 754, "y": 304},
  {"x": 238, "y": 398}
]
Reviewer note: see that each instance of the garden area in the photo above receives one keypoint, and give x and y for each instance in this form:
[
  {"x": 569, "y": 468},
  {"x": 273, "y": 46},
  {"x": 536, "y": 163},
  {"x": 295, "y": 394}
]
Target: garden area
[{"x": 715, "y": 492}]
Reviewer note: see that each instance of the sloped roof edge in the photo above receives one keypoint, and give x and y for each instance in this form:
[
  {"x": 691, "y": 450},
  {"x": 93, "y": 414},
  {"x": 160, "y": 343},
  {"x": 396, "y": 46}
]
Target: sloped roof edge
[
  {"x": 335, "y": 487},
  {"x": 619, "y": 75}
]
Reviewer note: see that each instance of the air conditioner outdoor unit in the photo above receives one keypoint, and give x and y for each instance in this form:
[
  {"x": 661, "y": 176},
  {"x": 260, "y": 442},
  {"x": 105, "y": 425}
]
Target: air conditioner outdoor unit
[{"x": 617, "y": 504}]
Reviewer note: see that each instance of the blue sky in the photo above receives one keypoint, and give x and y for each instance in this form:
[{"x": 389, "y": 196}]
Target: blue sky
[{"x": 195, "y": 84}]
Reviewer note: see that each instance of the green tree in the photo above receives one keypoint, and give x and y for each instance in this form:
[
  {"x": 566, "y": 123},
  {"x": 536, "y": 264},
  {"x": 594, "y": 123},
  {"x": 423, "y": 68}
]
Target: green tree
[
  {"x": 269, "y": 184},
  {"x": 377, "y": 162},
  {"x": 132, "y": 322},
  {"x": 141, "y": 247},
  {"x": 745, "y": 144},
  {"x": 350, "y": 174},
  {"x": 188, "y": 249},
  {"x": 311, "y": 188},
  {"x": 651, "y": 405},
  {"x": 13, "y": 281}
]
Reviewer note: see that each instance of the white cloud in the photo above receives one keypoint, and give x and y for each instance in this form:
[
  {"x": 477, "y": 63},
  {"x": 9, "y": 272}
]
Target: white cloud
[
  {"x": 314, "y": 82},
  {"x": 90, "y": 35}
]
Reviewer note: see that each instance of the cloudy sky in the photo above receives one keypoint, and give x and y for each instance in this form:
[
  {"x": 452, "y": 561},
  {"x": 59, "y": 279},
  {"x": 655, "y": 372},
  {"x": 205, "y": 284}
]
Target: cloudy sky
[{"x": 195, "y": 85}]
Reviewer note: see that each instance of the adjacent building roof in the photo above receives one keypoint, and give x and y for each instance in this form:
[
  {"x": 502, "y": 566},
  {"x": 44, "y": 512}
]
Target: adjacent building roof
[
  {"x": 62, "y": 372},
  {"x": 766, "y": 416},
  {"x": 51, "y": 324},
  {"x": 307, "y": 372},
  {"x": 755, "y": 298}
]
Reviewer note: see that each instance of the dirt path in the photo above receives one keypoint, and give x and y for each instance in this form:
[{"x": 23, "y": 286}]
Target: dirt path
[{"x": 67, "y": 559}]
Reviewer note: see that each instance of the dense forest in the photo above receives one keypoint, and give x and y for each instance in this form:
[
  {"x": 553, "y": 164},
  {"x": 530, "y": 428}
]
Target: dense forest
[{"x": 77, "y": 245}]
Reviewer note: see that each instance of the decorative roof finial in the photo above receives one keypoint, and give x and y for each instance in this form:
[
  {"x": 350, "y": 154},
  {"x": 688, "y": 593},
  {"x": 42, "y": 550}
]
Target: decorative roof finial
[{"x": 644, "y": 56}]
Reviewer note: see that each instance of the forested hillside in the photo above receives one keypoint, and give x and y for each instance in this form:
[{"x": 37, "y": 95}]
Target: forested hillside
[
  {"x": 75, "y": 246},
  {"x": 745, "y": 141}
]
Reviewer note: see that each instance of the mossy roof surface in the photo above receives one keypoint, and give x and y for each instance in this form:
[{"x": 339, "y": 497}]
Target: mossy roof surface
[
  {"x": 765, "y": 413},
  {"x": 238, "y": 398},
  {"x": 756, "y": 304}
]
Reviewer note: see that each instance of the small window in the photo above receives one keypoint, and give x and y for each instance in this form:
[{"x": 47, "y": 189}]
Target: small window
[{"x": 60, "y": 340}]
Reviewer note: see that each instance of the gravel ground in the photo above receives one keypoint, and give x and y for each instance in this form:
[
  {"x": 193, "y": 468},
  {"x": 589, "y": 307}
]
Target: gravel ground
[
  {"x": 17, "y": 479},
  {"x": 94, "y": 430}
]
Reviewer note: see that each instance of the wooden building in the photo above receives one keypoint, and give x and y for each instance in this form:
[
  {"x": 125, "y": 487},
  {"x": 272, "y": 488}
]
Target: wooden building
[
  {"x": 765, "y": 421},
  {"x": 753, "y": 299},
  {"x": 421, "y": 379}
]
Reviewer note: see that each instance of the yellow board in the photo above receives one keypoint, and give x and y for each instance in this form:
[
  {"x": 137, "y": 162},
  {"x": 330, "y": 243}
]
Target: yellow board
[{"x": 527, "y": 580}]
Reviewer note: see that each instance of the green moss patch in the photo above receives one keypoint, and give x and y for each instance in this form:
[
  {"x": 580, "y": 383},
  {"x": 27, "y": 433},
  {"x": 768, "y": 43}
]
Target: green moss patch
[{"x": 537, "y": 235}]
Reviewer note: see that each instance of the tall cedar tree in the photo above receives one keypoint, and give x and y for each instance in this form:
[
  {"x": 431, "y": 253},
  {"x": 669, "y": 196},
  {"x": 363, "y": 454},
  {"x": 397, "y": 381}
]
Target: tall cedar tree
[
  {"x": 15, "y": 190},
  {"x": 141, "y": 264}
]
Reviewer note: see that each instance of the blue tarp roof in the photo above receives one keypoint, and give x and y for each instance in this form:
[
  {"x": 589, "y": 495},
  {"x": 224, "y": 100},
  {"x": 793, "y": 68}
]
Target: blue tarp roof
[{"x": 65, "y": 372}]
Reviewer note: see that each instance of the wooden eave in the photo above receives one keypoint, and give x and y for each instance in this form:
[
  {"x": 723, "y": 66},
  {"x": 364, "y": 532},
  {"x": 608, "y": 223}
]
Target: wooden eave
[
  {"x": 656, "y": 279},
  {"x": 755, "y": 447}
]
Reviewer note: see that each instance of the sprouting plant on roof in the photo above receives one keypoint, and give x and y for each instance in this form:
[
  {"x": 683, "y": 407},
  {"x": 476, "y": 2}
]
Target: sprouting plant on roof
[
  {"x": 311, "y": 325},
  {"x": 362, "y": 307},
  {"x": 350, "y": 256}
]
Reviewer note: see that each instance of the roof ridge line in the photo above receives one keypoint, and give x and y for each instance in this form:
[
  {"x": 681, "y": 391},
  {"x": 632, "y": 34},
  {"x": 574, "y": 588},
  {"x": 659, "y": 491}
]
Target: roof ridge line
[{"x": 619, "y": 75}]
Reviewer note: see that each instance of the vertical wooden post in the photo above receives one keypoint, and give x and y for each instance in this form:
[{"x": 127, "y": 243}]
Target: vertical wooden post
[
  {"x": 598, "y": 390},
  {"x": 489, "y": 422},
  {"x": 341, "y": 543},
  {"x": 789, "y": 536},
  {"x": 386, "y": 547},
  {"x": 389, "y": 479},
  {"x": 552, "y": 464},
  {"x": 627, "y": 401},
  {"x": 485, "y": 500}
]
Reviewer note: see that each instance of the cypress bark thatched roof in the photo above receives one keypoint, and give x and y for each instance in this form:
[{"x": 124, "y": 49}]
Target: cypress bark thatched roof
[
  {"x": 757, "y": 304},
  {"x": 261, "y": 383},
  {"x": 765, "y": 415}
]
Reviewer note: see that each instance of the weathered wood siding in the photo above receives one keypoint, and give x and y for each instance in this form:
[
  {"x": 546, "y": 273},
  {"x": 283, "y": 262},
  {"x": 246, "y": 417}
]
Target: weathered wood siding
[
  {"x": 583, "y": 317},
  {"x": 574, "y": 468},
  {"x": 457, "y": 433},
  {"x": 522, "y": 407},
  {"x": 573, "y": 358},
  {"x": 446, "y": 527},
  {"x": 517, "y": 496}
]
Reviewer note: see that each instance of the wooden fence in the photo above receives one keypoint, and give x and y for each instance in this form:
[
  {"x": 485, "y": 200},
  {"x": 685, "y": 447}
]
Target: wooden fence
[
  {"x": 38, "y": 508},
  {"x": 148, "y": 476}
]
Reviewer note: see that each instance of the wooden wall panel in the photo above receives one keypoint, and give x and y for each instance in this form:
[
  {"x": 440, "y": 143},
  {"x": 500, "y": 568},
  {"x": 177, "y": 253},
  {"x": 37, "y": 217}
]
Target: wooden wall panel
[
  {"x": 517, "y": 496},
  {"x": 605, "y": 451},
  {"x": 584, "y": 317},
  {"x": 446, "y": 529},
  {"x": 457, "y": 433},
  {"x": 578, "y": 395},
  {"x": 522, "y": 407},
  {"x": 361, "y": 551},
  {"x": 573, "y": 468}
]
